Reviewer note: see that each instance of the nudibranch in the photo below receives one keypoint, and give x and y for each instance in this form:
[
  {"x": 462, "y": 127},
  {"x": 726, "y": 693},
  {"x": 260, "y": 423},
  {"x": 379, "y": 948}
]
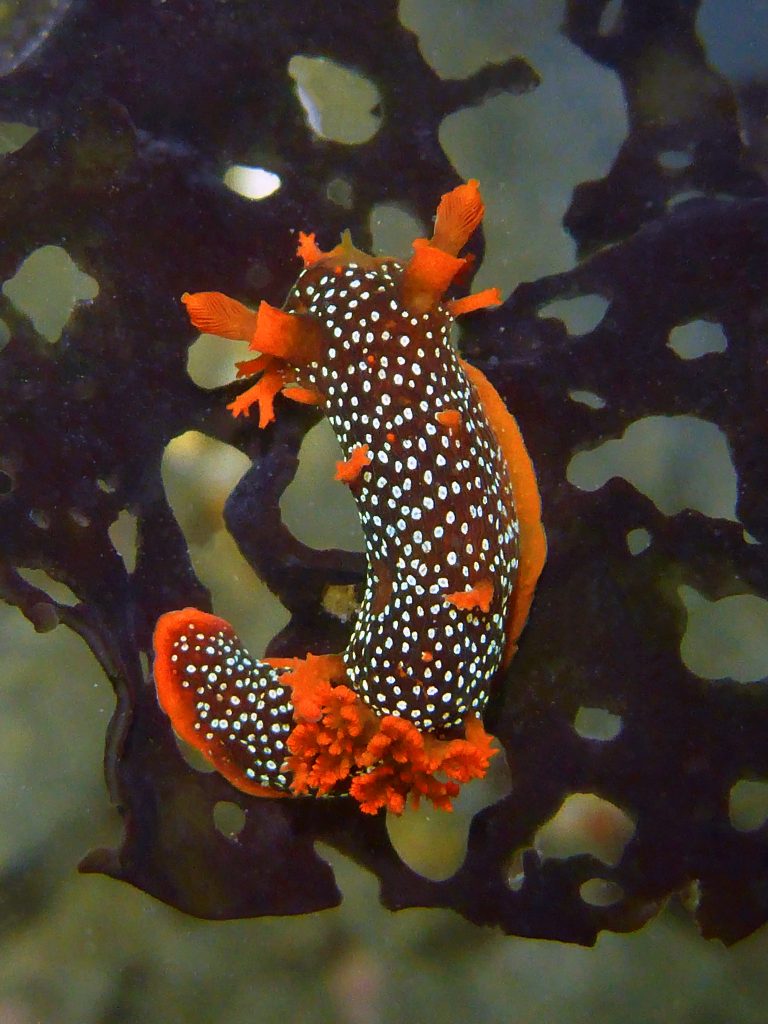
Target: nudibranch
[{"x": 450, "y": 512}]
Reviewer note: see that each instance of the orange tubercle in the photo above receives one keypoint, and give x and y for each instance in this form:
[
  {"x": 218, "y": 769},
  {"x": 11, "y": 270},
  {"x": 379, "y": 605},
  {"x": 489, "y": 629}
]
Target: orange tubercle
[
  {"x": 349, "y": 470},
  {"x": 308, "y": 250},
  {"x": 480, "y": 596},
  {"x": 216, "y": 313},
  {"x": 450, "y": 419}
]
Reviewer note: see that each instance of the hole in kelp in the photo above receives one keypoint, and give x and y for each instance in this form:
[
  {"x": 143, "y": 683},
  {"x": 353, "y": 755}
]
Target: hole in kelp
[
  {"x": 697, "y": 338},
  {"x": 56, "y": 590},
  {"x": 123, "y": 533},
  {"x": 600, "y": 892},
  {"x": 39, "y": 519},
  {"x": 14, "y": 135},
  {"x": 193, "y": 757},
  {"x": 678, "y": 462},
  {"x": 748, "y": 804},
  {"x": 674, "y": 159},
  {"x": 56, "y": 702},
  {"x": 638, "y": 540},
  {"x": 251, "y": 182},
  {"x": 339, "y": 103},
  {"x": 610, "y": 18},
  {"x": 523, "y": 228},
  {"x": 597, "y": 723},
  {"x": 211, "y": 361},
  {"x": 433, "y": 842},
  {"x": 580, "y": 314},
  {"x": 199, "y": 474},
  {"x": 79, "y": 518},
  {"x": 516, "y": 870},
  {"x": 726, "y": 638},
  {"x": 588, "y": 398},
  {"x": 5, "y": 334},
  {"x": 46, "y": 288},
  {"x": 586, "y": 823},
  {"x": 393, "y": 230},
  {"x": 340, "y": 600},
  {"x": 229, "y": 818},
  {"x": 359, "y": 886},
  {"x": 316, "y": 508},
  {"x": 340, "y": 191},
  {"x": 7, "y": 483},
  {"x": 458, "y": 39}
]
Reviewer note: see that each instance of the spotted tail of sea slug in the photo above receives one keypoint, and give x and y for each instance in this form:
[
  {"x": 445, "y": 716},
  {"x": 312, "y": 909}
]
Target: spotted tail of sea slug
[{"x": 451, "y": 516}]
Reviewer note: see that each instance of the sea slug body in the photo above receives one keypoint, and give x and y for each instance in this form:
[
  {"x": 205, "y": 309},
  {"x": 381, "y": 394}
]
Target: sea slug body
[{"x": 451, "y": 517}]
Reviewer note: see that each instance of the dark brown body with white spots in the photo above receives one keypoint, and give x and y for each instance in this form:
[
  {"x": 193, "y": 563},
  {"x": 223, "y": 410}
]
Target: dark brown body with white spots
[{"x": 436, "y": 505}]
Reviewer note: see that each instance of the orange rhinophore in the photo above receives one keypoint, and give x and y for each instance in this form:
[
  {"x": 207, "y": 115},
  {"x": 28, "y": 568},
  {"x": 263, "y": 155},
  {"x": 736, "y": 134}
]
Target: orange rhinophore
[
  {"x": 214, "y": 313},
  {"x": 458, "y": 217},
  {"x": 451, "y": 519},
  {"x": 349, "y": 470},
  {"x": 479, "y": 596}
]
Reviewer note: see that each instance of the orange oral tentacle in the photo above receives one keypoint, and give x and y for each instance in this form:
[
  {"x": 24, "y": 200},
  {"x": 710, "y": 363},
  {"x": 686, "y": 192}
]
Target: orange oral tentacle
[
  {"x": 262, "y": 393},
  {"x": 470, "y": 303}
]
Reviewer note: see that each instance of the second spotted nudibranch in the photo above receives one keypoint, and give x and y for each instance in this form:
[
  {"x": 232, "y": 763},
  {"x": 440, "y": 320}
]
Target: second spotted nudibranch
[{"x": 451, "y": 517}]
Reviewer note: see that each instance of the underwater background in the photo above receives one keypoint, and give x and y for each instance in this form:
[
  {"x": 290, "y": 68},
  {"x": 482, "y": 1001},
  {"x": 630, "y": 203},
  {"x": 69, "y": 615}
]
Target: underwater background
[{"x": 579, "y": 149}]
